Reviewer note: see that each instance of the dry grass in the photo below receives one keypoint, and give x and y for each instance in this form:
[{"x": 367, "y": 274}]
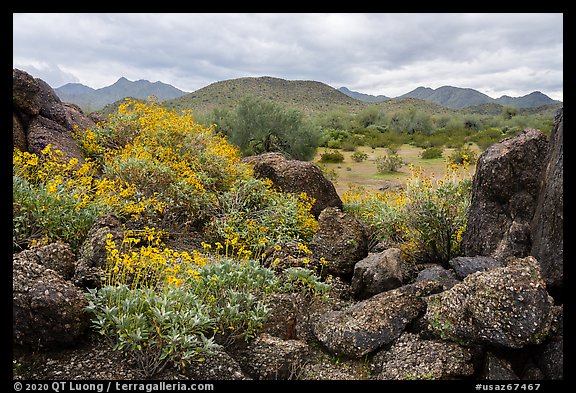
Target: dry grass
[{"x": 351, "y": 173}]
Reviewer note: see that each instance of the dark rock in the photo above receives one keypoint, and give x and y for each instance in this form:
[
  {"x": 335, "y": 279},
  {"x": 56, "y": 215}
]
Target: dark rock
[
  {"x": 50, "y": 105},
  {"x": 464, "y": 266},
  {"x": 57, "y": 256},
  {"x": 366, "y": 326},
  {"x": 77, "y": 119},
  {"x": 379, "y": 272},
  {"x": 216, "y": 366},
  {"x": 92, "y": 255},
  {"x": 504, "y": 194},
  {"x": 25, "y": 92},
  {"x": 498, "y": 369},
  {"x": 294, "y": 176},
  {"x": 548, "y": 223},
  {"x": 437, "y": 273},
  {"x": 268, "y": 357},
  {"x": 48, "y": 311},
  {"x": 550, "y": 358},
  {"x": 18, "y": 133},
  {"x": 504, "y": 307},
  {"x": 287, "y": 316},
  {"x": 411, "y": 357},
  {"x": 43, "y": 132},
  {"x": 342, "y": 240}
]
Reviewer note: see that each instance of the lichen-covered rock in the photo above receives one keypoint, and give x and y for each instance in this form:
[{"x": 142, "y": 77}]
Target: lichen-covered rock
[
  {"x": 287, "y": 316},
  {"x": 92, "y": 255},
  {"x": 57, "y": 256},
  {"x": 367, "y": 325},
  {"x": 216, "y": 366},
  {"x": 18, "y": 133},
  {"x": 268, "y": 357},
  {"x": 47, "y": 310},
  {"x": 548, "y": 223},
  {"x": 504, "y": 195},
  {"x": 379, "y": 272},
  {"x": 411, "y": 357},
  {"x": 294, "y": 176},
  {"x": 507, "y": 306},
  {"x": 342, "y": 240}
]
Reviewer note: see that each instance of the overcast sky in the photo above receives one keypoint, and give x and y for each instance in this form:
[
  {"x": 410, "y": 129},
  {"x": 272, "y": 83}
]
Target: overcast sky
[{"x": 391, "y": 54}]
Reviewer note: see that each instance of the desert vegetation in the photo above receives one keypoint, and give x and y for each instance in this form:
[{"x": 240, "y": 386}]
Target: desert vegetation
[{"x": 198, "y": 262}]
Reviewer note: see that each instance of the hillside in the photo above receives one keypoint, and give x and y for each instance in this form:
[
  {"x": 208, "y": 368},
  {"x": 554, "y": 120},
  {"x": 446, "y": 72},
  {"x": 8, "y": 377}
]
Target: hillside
[
  {"x": 362, "y": 96},
  {"x": 312, "y": 97},
  {"x": 95, "y": 99},
  {"x": 307, "y": 96}
]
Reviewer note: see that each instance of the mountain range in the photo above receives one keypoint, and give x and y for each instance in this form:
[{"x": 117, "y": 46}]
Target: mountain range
[
  {"x": 458, "y": 98},
  {"x": 90, "y": 99},
  {"x": 308, "y": 96}
]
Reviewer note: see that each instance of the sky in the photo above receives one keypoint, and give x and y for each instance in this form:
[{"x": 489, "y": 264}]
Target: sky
[{"x": 390, "y": 54}]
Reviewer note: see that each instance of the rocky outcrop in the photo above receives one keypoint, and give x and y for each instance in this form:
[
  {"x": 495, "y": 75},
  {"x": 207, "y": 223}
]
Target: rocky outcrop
[
  {"x": 504, "y": 195},
  {"x": 548, "y": 223},
  {"x": 57, "y": 256},
  {"x": 366, "y": 326},
  {"x": 294, "y": 176},
  {"x": 342, "y": 240},
  {"x": 268, "y": 357},
  {"x": 411, "y": 357},
  {"x": 47, "y": 310},
  {"x": 40, "y": 118},
  {"x": 504, "y": 307}
]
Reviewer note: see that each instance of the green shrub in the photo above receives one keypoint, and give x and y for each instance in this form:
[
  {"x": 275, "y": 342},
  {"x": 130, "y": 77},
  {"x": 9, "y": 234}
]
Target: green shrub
[
  {"x": 391, "y": 162},
  {"x": 435, "y": 217},
  {"x": 333, "y": 156},
  {"x": 427, "y": 220},
  {"x": 359, "y": 156},
  {"x": 153, "y": 328},
  {"x": 431, "y": 152},
  {"x": 464, "y": 155}
]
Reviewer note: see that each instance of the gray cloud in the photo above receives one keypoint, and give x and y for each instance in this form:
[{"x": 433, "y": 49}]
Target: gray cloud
[{"x": 388, "y": 54}]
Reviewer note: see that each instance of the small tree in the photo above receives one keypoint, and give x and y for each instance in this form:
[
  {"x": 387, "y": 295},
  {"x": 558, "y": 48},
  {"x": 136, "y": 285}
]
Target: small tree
[{"x": 258, "y": 126}]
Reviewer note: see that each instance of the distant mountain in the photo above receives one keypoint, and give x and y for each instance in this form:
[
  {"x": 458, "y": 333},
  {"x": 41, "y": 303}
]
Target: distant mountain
[
  {"x": 95, "y": 99},
  {"x": 458, "y": 98},
  {"x": 306, "y": 96},
  {"x": 451, "y": 97},
  {"x": 532, "y": 100},
  {"x": 362, "y": 96}
]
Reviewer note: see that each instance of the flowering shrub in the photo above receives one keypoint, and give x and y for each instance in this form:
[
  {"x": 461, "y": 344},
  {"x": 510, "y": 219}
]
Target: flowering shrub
[
  {"x": 427, "y": 220},
  {"x": 163, "y": 175},
  {"x": 55, "y": 199},
  {"x": 197, "y": 176}
]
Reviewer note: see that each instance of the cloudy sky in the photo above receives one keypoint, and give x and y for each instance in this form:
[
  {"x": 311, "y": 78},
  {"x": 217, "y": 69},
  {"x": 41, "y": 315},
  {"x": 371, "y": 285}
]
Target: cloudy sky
[{"x": 390, "y": 54}]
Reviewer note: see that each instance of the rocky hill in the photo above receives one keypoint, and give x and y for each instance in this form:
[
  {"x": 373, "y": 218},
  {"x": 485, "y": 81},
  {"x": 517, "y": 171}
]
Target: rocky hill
[
  {"x": 307, "y": 96},
  {"x": 90, "y": 99}
]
